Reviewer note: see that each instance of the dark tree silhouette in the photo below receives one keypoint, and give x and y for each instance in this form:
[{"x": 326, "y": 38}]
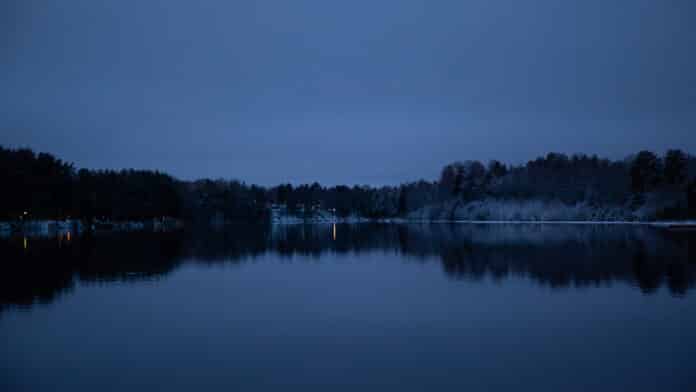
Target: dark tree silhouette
[
  {"x": 676, "y": 167},
  {"x": 497, "y": 169},
  {"x": 40, "y": 186},
  {"x": 691, "y": 197},
  {"x": 646, "y": 171}
]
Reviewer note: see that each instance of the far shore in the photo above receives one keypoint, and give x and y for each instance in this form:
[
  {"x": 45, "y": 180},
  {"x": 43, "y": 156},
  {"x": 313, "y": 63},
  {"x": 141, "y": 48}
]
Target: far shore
[
  {"x": 52, "y": 227},
  {"x": 552, "y": 222},
  {"x": 402, "y": 220}
]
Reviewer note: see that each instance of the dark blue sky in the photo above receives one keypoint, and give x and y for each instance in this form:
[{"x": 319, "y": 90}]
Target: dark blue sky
[{"x": 343, "y": 92}]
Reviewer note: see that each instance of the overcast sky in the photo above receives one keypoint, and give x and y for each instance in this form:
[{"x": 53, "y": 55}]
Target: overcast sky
[{"x": 343, "y": 91}]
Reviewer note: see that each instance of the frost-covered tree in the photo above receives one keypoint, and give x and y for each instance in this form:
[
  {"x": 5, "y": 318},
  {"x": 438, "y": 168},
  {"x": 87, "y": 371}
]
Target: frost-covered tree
[
  {"x": 496, "y": 169},
  {"x": 646, "y": 172},
  {"x": 463, "y": 178},
  {"x": 449, "y": 178}
]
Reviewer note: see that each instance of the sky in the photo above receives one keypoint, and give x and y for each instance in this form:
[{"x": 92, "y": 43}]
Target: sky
[{"x": 356, "y": 92}]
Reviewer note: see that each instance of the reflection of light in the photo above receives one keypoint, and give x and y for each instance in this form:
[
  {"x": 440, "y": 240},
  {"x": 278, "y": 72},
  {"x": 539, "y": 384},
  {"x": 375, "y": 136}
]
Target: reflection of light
[
  {"x": 334, "y": 232},
  {"x": 67, "y": 236},
  {"x": 25, "y": 242}
]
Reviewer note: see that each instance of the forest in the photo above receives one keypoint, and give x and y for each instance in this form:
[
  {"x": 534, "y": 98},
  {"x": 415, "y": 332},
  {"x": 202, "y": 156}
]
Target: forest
[{"x": 644, "y": 186}]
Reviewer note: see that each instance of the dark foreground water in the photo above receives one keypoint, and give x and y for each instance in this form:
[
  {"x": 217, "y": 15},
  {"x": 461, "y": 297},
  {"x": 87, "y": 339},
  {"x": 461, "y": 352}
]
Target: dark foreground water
[{"x": 390, "y": 307}]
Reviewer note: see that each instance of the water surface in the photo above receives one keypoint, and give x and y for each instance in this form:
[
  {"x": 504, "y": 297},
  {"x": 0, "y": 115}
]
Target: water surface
[{"x": 375, "y": 307}]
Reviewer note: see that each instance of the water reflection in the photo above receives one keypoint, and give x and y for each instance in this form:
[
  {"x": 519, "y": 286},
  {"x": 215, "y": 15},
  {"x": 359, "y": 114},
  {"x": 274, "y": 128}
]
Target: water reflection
[{"x": 556, "y": 256}]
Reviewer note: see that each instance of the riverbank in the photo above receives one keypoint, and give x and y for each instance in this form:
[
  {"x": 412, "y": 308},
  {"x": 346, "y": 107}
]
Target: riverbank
[
  {"x": 49, "y": 227},
  {"x": 672, "y": 225},
  {"x": 535, "y": 210},
  {"x": 40, "y": 227}
]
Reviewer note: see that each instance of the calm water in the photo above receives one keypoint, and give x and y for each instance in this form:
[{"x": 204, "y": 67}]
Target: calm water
[{"x": 409, "y": 308}]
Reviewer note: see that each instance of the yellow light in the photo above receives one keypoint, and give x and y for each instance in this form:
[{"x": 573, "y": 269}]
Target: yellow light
[{"x": 25, "y": 242}]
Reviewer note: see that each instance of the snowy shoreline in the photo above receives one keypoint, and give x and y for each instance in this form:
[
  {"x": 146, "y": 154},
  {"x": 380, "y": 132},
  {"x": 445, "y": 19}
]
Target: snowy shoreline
[
  {"x": 689, "y": 223},
  {"x": 48, "y": 227},
  {"x": 661, "y": 224},
  {"x": 51, "y": 227}
]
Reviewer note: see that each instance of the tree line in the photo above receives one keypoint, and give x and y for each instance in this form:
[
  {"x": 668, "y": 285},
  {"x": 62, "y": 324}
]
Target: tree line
[
  {"x": 666, "y": 183},
  {"x": 41, "y": 186}
]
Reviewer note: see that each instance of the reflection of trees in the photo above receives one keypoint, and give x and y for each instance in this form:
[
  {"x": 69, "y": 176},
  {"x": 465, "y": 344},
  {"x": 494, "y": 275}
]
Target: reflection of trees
[
  {"x": 49, "y": 267},
  {"x": 225, "y": 244},
  {"x": 551, "y": 255},
  {"x": 121, "y": 257},
  {"x": 562, "y": 256},
  {"x": 29, "y": 277}
]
